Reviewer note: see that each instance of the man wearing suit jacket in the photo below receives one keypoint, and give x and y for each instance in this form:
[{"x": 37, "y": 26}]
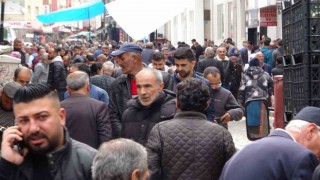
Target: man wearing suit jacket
[
  {"x": 87, "y": 119},
  {"x": 285, "y": 154},
  {"x": 246, "y": 51}
]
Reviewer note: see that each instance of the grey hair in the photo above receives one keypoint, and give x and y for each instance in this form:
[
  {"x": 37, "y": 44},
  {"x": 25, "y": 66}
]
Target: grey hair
[
  {"x": 222, "y": 47},
  {"x": 210, "y": 52},
  {"x": 156, "y": 73},
  {"x": 117, "y": 159},
  {"x": 259, "y": 52},
  {"x": 77, "y": 80},
  {"x": 108, "y": 66},
  {"x": 44, "y": 56},
  {"x": 102, "y": 56},
  {"x": 211, "y": 70},
  {"x": 296, "y": 125}
]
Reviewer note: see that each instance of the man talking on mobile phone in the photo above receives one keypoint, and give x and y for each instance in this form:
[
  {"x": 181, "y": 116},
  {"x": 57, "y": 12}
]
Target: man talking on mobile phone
[{"x": 48, "y": 151}]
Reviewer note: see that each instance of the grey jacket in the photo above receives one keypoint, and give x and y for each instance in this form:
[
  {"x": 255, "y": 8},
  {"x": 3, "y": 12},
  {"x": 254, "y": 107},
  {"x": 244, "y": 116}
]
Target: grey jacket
[
  {"x": 40, "y": 74},
  {"x": 72, "y": 161},
  {"x": 225, "y": 102}
]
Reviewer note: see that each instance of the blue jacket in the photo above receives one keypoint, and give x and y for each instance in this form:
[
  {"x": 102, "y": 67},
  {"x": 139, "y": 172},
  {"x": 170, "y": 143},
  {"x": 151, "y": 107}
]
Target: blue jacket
[
  {"x": 267, "y": 53},
  {"x": 95, "y": 93},
  {"x": 276, "y": 157}
]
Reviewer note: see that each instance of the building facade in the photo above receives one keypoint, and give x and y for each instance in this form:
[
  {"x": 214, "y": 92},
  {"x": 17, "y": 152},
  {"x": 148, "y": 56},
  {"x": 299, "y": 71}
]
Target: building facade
[{"x": 219, "y": 19}]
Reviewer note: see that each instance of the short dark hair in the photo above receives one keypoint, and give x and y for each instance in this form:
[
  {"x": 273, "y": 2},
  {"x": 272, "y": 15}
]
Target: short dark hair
[
  {"x": 95, "y": 67},
  {"x": 279, "y": 60},
  {"x": 158, "y": 56},
  {"x": 76, "y": 47},
  {"x": 83, "y": 67},
  {"x": 32, "y": 92},
  {"x": 211, "y": 70},
  {"x": 280, "y": 42},
  {"x": 266, "y": 42},
  {"x": 192, "y": 95},
  {"x": 184, "y": 53},
  {"x": 90, "y": 57}
]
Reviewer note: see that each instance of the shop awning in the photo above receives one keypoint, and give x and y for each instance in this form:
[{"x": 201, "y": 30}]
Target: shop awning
[
  {"x": 83, "y": 12},
  {"x": 141, "y": 17}
]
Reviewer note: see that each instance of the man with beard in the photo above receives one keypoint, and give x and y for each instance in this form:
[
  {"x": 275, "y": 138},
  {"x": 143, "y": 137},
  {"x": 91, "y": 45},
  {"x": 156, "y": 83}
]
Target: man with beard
[
  {"x": 152, "y": 106},
  {"x": 159, "y": 62},
  {"x": 226, "y": 107},
  {"x": 57, "y": 73},
  {"x": 185, "y": 61},
  {"x": 17, "y": 46},
  {"x": 128, "y": 57},
  {"x": 22, "y": 75},
  {"x": 48, "y": 151}
]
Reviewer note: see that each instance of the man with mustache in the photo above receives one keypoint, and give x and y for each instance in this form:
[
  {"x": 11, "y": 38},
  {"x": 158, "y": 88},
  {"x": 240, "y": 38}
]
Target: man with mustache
[
  {"x": 152, "y": 106},
  {"x": 185, "y": 61},
  {"x": 128, "y": 57},
  {"x": 48, "y": 151},
  {"x": 225, "y": 105}
]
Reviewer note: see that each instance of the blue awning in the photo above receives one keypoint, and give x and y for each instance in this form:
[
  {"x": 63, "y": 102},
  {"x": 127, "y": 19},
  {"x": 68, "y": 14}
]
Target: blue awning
[{"x": 74, "y": 14}]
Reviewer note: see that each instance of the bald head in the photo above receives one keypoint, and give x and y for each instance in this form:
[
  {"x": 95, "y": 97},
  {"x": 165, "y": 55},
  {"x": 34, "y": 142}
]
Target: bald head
[
  {"x": 78, "y": 83},
  {"x": 22, "y": 75}
]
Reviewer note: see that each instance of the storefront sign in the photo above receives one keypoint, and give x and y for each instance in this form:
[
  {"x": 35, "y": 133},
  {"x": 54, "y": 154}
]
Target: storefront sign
[{"x": 268, "y": 16}]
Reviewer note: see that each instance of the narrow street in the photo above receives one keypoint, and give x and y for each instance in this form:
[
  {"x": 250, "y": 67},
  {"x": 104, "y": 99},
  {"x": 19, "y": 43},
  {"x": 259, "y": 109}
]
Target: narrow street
[{"x": 238, "y": 131}]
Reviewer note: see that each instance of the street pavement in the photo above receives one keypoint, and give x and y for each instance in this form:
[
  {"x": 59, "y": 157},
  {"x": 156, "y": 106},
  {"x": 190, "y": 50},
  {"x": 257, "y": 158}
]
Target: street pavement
[{"x": 239, "y": 134}]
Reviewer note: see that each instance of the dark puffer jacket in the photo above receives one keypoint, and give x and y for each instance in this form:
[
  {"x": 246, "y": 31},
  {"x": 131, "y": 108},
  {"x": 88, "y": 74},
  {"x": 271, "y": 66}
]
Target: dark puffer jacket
[
  {"x": 138, "y": 120},
  {"x": 188, "y": 147},
  {"x": 121, "y": 94},
  {"x": 255, "y": 84},
  {"x": 57, "y": 74}
]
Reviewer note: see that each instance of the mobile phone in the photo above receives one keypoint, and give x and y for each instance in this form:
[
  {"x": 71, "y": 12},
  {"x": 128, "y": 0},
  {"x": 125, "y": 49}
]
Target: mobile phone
[
  {"x": 218, "y": 119},
  {"x": 19, "y": 145}
]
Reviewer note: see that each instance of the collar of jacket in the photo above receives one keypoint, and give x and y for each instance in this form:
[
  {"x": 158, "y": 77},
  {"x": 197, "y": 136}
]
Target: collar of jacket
[
  {"x": 282, "y": 133},
  {"x": 190, "y": 115},
  {"x": 54, "y": 158},
  {"x": 156, "y": 103},
  {"x": 56, "y": 59},
  {"x": 225, "y": 58},
  {"x": 176, "y": 78},
  {"x": 77, "y": 95}
]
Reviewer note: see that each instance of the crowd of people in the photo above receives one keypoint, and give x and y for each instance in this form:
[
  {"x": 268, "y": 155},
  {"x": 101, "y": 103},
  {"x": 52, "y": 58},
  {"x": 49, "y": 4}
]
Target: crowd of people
[{"x": 147, "y": 111}]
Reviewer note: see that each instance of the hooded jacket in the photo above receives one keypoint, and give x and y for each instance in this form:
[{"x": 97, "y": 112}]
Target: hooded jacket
[
  {"x": 255, "y": 84},
  {"x": 57, "y": 74}
]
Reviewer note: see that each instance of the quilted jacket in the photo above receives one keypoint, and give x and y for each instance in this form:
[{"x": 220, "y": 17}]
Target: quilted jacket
[{"x": 188, "y": 147}]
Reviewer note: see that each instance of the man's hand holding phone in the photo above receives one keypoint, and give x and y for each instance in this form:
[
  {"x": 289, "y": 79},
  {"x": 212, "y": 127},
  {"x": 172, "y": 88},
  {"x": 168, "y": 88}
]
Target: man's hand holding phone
[{"x": 10, "y": 140}]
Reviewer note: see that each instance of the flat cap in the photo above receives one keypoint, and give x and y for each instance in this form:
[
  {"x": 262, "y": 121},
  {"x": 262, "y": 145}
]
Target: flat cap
[
  {"x": 309, "y": 114},
  {"x": 128, "y": 47},
  {"x": 11, "y": 88}
]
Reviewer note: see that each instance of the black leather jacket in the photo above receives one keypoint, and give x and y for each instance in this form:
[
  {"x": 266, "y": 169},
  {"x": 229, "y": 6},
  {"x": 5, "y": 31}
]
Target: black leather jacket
[{"x": 72, "y": 161}]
